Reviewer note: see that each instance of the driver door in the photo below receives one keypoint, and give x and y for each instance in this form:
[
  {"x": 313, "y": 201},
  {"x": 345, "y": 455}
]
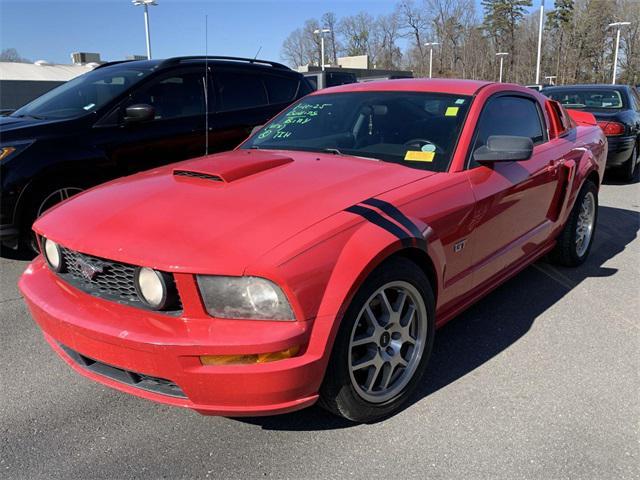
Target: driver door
[
  {"x": 514, "y": 200},
  {"x": 176, "y": 133}
]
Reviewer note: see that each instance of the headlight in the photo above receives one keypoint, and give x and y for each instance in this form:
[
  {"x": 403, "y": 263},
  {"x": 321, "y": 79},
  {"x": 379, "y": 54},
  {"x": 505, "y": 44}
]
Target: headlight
[
  {"x": 13, "y": 149},
  {"x": 156, "y": 289},
  {"x": 52, "y": 254},
  {"x": 244, "y": 298},
  {"x": 6, "y": 151}
]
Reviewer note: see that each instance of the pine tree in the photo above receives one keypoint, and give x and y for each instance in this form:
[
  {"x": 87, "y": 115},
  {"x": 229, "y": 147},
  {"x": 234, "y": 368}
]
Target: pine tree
[{"x": 501, "y": 19}]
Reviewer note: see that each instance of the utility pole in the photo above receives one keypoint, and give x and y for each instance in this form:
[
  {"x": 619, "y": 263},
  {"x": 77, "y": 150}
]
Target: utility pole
[
  {"x": 431, "y": 45},
  {"x": 321, "y": 32},
  {"x": 540, "y": 42},
  {"x": 146, "y": 4},
  {"x": 501, "y": 55},
  {"x": 615, "y": 56}
]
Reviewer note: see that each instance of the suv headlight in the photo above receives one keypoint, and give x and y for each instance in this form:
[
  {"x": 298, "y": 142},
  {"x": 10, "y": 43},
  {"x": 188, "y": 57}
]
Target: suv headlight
[
  {"x": 12, "y": 149},
  {"x": 250, "y": 298}
]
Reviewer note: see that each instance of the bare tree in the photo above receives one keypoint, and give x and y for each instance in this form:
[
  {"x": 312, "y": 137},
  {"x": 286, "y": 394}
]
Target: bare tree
[
  {"x": 577, "y": 45},
  {"x": 358, "y": 33},
  {"x": 294, "y": 50},
  {"x": 330, "y": 21},
  {"x": 12, "y": 55}
]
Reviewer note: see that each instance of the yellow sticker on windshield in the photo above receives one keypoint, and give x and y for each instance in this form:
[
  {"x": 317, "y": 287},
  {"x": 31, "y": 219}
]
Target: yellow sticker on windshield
[
  {"x": 416, "y": 156},
  {"x": 451, "y": 111}
]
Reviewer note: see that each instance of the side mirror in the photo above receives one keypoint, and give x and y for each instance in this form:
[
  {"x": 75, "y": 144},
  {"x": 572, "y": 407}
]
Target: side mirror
[
  {"x": 139, "y": 113},
  {"x": 504, "y": 148},
  {"x": 255, "y": 129}
]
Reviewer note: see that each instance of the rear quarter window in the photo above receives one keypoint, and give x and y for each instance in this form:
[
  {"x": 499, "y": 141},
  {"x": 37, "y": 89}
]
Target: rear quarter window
[
  {"x": 239, "y": 90},
  {"x": 280, "y": 89}
]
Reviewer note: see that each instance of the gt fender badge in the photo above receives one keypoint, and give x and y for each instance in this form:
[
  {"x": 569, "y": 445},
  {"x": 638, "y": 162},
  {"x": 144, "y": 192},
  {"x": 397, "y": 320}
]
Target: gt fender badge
[{"x": 458, "y": 246}]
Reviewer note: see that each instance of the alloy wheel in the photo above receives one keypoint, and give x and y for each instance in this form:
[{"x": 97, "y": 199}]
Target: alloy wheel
[
  {"x": 584, "y": 226},
  {"x": 387, "y": 341}
]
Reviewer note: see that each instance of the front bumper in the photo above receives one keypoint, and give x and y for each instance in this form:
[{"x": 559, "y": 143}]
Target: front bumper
[
  {"x": 151, "y": 347},
  {"x": 620, "y": 149}
]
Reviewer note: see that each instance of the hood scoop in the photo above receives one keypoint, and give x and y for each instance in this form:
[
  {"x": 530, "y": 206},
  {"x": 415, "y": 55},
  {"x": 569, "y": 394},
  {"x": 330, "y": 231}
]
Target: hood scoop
[{"x": 230, "y": 166}]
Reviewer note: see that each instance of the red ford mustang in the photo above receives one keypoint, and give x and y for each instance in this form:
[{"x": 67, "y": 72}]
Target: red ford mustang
[{"x": 316, "y": 261}]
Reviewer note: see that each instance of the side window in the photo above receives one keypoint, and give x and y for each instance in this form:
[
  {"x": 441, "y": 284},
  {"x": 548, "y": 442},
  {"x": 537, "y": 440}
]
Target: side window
[
  {"x": 177, "y": 95},
  {"x": 238, "y": 90},
  {"x": 280, "y": 89},
  {"x": 509, "y": 115}
]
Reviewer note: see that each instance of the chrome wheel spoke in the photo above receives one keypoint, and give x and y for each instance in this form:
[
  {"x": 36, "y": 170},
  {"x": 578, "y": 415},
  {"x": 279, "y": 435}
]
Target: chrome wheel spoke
[{"x": 358, "y": 342}]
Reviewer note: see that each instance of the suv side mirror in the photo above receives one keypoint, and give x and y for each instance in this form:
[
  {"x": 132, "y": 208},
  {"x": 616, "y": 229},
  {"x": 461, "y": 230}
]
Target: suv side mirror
[
  {"x": 255, "y": 129},
  {"x": 139, "y": 113},
  {"x": 504, "y": 148}
]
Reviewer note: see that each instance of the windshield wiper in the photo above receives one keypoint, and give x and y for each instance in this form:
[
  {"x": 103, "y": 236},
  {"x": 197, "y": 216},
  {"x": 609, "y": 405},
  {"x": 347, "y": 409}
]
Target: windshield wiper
[
  {"x": 335, "y": 151},
  {"x": 28, "y": 115}
]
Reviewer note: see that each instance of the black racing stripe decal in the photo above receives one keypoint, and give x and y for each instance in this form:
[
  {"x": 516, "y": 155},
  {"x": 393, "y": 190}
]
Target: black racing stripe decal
[
  {"x": 396, "y": 214},
  {"x": 377, "y": 219}
]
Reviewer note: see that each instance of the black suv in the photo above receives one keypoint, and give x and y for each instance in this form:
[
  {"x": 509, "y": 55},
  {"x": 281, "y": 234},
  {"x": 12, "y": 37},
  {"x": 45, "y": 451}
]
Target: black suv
[{"x": 124, "y": 117}]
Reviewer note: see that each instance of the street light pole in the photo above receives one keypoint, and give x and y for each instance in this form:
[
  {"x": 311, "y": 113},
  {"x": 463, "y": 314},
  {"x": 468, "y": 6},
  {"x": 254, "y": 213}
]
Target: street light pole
[
  {"x": 146, "y": 4},
  {"x": 321, "y": 32},
  {"x": 615, "y": 57},
  {"x": 540, "y": 42},
  {"x": 501, "y": 55},
  {"x": 431, "y": 45}
]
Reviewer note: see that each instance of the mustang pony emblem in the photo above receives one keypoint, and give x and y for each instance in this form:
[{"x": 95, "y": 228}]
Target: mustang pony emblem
[{"x": 89, "y": 270}]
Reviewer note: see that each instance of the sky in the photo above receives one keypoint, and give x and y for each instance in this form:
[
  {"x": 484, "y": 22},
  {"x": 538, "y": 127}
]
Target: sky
[{"x": 50, "y": 30}]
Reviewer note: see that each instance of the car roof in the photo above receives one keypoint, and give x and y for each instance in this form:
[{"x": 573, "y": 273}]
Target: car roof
[
  {"x": 241, "y": 62},
  {"x": 438, "y": 85},
  {"x": 586, "y": 86}
]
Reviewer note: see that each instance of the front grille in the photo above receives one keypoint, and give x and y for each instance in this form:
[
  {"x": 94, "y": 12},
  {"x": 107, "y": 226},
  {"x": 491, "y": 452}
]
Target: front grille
[
  {"x": 192, "y": 174},
  {"x": 138, "y": 380},
  {"x": 110, "y": 280}
]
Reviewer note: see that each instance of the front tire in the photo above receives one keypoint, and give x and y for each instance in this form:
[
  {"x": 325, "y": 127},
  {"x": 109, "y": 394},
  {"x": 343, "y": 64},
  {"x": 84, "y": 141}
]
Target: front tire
[
  {"x": 576, "y": 238},
  {"x": 383, "y": 344},
  {"x": 39, "y": 204}
]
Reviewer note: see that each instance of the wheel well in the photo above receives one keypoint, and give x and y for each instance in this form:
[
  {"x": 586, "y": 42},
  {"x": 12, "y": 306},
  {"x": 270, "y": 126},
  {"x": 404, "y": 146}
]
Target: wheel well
[
  {"x": 422, "y": 260},
  {"x": 595, "y": 178}
]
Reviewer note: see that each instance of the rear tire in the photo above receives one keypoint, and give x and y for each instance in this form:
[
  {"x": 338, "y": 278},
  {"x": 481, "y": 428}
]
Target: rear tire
[
  {"x": 390, "y": 328},
  {"x": 576, "y": 238},
  {"x": 629, "y": 169}
]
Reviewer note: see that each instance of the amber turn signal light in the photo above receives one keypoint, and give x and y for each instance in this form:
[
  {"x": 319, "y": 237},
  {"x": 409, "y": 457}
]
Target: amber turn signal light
[{"x": 249, "y": 358}]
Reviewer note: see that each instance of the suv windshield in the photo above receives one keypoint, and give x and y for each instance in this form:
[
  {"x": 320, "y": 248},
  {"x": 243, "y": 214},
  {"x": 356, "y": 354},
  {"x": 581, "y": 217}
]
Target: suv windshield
[
  {"x": 83, "y": 94},
  {"x": 419, "y": 130},
  {"x": 600, "y": 98}
]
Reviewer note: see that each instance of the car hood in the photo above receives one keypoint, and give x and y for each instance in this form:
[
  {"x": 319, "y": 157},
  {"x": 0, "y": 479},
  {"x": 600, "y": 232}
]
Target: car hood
[
  {"x": 19, "y": 128},
  {"x": 217, "y": 214}
]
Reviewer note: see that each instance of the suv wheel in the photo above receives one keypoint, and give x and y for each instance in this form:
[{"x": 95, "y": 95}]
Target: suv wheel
[{"x": 39, "y": 204}]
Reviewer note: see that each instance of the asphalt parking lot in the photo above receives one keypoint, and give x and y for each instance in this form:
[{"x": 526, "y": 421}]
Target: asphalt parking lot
[{"x": 539, "y": 380}]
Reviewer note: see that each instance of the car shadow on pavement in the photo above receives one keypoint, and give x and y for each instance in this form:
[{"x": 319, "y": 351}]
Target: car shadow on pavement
[
  {"x": 11, "y": 254},
  {"x": 495, "y": 323}
]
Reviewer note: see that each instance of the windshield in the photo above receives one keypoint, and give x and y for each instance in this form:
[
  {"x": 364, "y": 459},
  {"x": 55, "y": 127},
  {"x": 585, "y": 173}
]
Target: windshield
[
  {"x": 601, "y": 99},
  {"x": 419, "y": 130},
  {"x": 83, "y": 94}
]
